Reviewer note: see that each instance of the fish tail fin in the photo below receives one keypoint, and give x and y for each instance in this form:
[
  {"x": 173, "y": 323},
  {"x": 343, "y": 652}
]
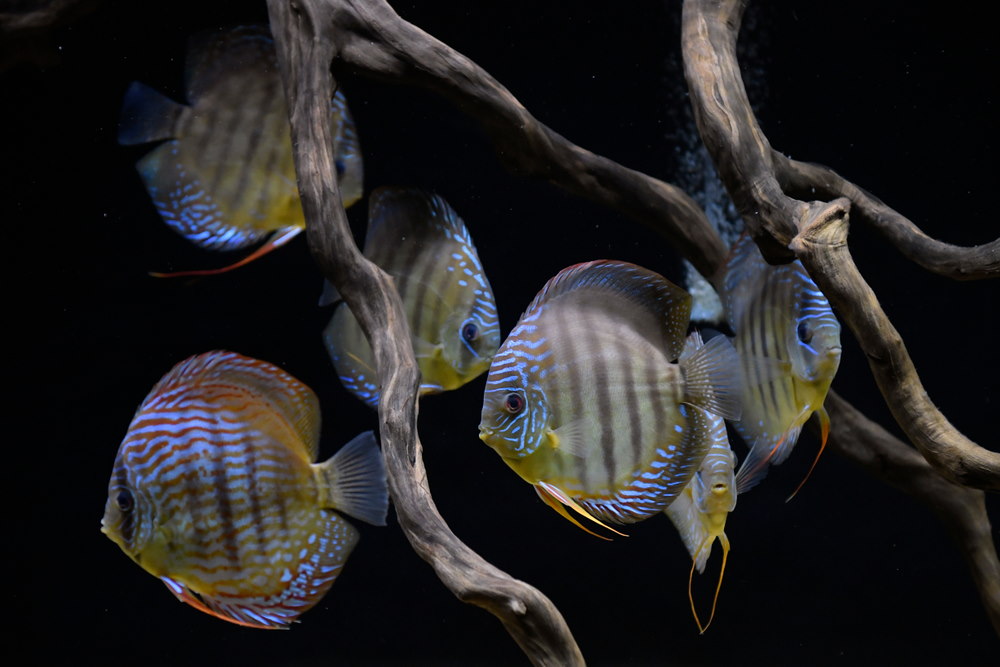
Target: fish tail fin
[
  {"x": 712, "y": 375},
  {"x": 559, "y": 501},
  {"x": 278, "y": 239},
  {"x": 824, "y": 423},
  {"x": 353, "y": 481},
  {"x": 147, "y": 115}
]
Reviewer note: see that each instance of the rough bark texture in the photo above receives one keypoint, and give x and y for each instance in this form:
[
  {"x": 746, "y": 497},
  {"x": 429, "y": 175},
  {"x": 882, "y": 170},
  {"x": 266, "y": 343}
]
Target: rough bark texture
[
  {"x": 816, "y": 232},
  {"x": 307, "y": 40},
  {"x": 371, "y": 39}
]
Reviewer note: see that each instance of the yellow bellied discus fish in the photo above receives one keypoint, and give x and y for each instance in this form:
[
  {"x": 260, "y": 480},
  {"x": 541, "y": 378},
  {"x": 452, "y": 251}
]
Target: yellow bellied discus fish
[
  {"x": 418, "y": 239},
  {"x": 214, "y": 491},
  {"x": 225, "y": 177},
  {"x": 699, "y": 513},
  {"x": 595, "y": 399},
  {"x": 788, "y": 340}
]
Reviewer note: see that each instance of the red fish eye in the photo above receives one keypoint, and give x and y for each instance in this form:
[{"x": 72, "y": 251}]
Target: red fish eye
[
  {"x": 125, "y": 500},
  {"x": 470, "y": 332},
  {"x": 514, "y": 403}
]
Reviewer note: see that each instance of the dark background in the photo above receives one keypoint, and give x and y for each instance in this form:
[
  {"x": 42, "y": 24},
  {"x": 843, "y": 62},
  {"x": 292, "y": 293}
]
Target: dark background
[{"x": 899, "y": 97}]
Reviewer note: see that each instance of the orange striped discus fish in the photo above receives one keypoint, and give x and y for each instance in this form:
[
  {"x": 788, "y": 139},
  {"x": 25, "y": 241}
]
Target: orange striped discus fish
[
  {"x": 225, "y": 179},
  {"x": 418, "y": 239},
  {"x": 699, "y": 513},
  {"x": 789, "y": 344},
  {"x": 214, "y": 491},
  {"x": 595, "y": 399}
]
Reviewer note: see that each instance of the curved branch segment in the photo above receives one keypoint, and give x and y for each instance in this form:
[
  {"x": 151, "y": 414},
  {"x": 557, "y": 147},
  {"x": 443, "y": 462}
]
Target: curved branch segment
[
  {"x": 801, "y": 179},
  {"x": 822, "y": 247},
  {"x": 377, "y": 42},
  {"x": 745, "y": 161},
  {"x": 963, "y": 510},
  {"x": 306, "y": 40}
]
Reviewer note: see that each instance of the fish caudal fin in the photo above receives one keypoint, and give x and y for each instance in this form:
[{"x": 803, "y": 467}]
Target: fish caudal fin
[
  {"x": 712, "y": 375},
  {"x": 354, "y": 481},
  {"x": 147, "y": 115},
  {"x": 824, "y": 423},
  {"x": 559, "y": 501},
  {"x": 278, "y": 239}
]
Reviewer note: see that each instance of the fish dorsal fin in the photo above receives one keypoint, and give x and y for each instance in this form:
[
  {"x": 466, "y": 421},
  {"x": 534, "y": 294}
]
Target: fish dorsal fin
[
  {"x": 265, "y": 382},
  {"x": 147, "y": 115},
  {"x": 746, "y": 272},
  {"x": 650, "y": 293},
  {"x": 712, "y": 375},
  {"x": 415, "y": 219},
  {"x": 216, "y": 55},
  {"x": 354, "y": 481}
]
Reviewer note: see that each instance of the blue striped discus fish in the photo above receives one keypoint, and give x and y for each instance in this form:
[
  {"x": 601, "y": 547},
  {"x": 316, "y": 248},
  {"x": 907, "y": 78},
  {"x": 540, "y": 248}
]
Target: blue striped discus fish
[
  {"x": 699, "y": 513},
  {"x": 585, "y": 401},
  {"x": 214, "y": 491},
  {"x": 789, "y": 344},
  {"x": 225, "y": 179},
  {"x": 419, "y": 240}
]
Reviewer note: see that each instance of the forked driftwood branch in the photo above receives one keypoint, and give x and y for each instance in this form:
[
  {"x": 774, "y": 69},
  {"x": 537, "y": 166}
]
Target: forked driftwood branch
[{"x": 368, "y": 37}]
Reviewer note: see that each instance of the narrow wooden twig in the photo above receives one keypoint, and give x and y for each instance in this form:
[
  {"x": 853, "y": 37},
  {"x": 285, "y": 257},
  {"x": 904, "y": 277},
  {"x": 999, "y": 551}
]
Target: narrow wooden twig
[
  {"x": 816, "y": 232},
  {"x": 802, "y": 179},
  {"x": 961, "y": 509},
  {"x": 307, "y": 42},
  {"x": 377, "y": 42}
]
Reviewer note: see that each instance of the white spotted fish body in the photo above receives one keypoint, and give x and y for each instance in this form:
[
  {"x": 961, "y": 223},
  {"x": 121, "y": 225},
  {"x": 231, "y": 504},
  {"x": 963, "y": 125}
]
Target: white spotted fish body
[
  {"x": 418, "y": 239},
  {"x": 595, "y": 399},
  {"x": 214, "y": 491},
  {"x": 225, "y": 178}
]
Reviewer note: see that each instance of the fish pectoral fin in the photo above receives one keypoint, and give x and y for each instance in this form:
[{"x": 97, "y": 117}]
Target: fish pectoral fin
[
  {"x": 570, "y": 438},
  {"x": 559, "y": 501},
  {"x": 755, "y": 465},
  {"x": 278, "y": 239},
  {"x": 424, "y": 349}
]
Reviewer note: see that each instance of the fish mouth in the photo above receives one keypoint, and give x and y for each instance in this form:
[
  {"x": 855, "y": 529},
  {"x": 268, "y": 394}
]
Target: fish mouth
[{"x": 485, "y": 433}]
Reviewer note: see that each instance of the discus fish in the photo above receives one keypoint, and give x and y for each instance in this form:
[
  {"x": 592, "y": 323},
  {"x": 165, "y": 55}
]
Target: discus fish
[
  {"x": 585, "y": 402},
  {"x": 699, "y": 513},
  {"x": 421, "y": 242},
  {"x": 225, "y": 179},
  {"x": 789, "y": 344},
  {"x": 214, "y": 493}
]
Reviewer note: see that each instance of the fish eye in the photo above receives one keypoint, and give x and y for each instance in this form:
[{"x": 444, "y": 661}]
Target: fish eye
[
  {"x": 514, "y": 403},
  {"x": 804, "y": 333},
  {"x": 470, "y": 332},
  {"x": 125, "y": 500}
]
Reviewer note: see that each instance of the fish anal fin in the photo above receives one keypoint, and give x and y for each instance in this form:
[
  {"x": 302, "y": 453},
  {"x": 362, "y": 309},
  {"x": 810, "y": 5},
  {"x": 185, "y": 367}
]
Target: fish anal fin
[
  {"x": 187, "y": 596},
  {"x": 559, "y": 501}
]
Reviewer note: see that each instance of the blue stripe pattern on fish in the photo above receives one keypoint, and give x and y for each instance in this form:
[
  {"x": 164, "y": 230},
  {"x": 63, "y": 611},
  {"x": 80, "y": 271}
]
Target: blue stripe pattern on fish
[
  {"x": 418, "y": 239},
  {"x": 214, "y": 492},
  {"x": 789, "y": 344},
  {"x": 595, "y": 399},
  {"x": 225, "y": 177}
]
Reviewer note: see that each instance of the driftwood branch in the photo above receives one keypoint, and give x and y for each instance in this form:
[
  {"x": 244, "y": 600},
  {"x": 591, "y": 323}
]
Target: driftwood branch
[
  {"x": 307, "y": 41},
  {"x": 817, "y": 234},
  {"x": 963, "y": 510},
  {"x": 801, "y": 179},
  {"x": 369, "y": 38}
]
